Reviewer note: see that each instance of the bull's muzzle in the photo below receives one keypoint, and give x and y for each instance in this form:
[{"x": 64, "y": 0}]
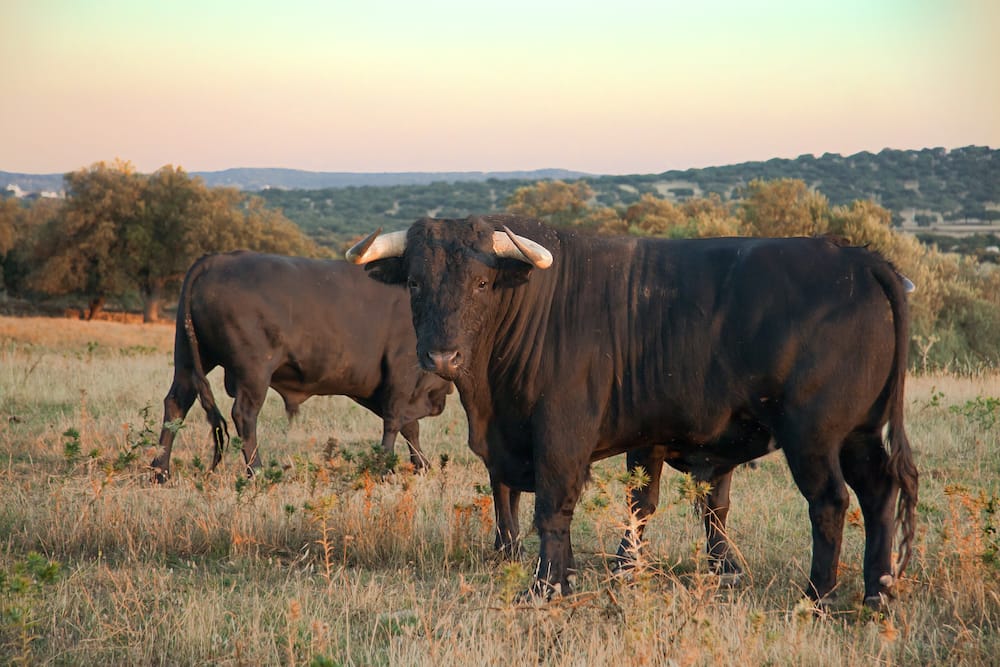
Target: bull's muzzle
[{"x": 445, "y": 363}]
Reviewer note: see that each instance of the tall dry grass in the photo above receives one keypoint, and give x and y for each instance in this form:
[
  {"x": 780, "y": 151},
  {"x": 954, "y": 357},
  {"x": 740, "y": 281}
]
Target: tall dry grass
[{"x": 323, "y": 560}]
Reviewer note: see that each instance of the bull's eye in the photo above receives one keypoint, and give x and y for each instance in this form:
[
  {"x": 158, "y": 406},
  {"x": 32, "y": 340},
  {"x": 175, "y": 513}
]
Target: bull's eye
[
  {"x": 412, "y": 284},
  {"x": 481, "y": 285}
]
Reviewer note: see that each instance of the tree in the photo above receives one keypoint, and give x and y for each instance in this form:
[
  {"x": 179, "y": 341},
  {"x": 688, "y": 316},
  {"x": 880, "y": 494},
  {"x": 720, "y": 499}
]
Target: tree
[
  {"x": 161, "y": 241},
  {"x": 267, "y": 230},
  {"x": 711, "y": 217},
  {"x": 84, "y": 248},
  {"x": 122, "y": 232},
  {"x": 655, "y": 216},
  {"x": 695, "y": 217},
  {"x": 555, "y": 202},
  {"x": 784, "y": 207},
  {"x": 10, "y": 211},
  {"x": 604, "y": 219}
]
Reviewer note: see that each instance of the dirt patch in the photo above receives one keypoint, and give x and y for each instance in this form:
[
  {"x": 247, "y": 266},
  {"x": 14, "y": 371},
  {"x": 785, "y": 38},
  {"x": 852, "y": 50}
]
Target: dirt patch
[
  {"x": 67, "y": 333},
  {"x": 105, "y": 316}
]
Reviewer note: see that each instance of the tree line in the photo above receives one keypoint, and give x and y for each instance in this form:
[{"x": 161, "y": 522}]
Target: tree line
[
  {"x": 122, "y": 235},
  {"x": 941, "y": 186}
]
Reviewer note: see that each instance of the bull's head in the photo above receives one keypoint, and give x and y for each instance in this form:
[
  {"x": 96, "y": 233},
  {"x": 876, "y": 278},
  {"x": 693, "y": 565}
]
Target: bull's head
[{"x": 455, "y": 271}]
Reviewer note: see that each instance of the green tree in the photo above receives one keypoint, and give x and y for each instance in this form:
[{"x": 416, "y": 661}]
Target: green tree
[
  {"x": 10, "y": 212},
  {"x": 122, "y": 232},
  {"x": 266, "y": 230},
  {"x": 84, "y": 248},
  {"x": 19, "y": 231},
  {"x": 161, "y": 240}
]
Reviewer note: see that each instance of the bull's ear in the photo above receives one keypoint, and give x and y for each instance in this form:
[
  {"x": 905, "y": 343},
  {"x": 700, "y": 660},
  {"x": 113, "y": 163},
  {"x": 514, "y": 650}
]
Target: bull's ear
[
  {"x": 512, "y": 272},
  {"x": 388, "y": 270}
]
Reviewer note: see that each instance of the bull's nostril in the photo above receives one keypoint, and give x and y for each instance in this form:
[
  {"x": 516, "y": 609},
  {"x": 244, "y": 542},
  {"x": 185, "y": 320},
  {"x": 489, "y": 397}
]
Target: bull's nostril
[{"x": 445, "y": 360}]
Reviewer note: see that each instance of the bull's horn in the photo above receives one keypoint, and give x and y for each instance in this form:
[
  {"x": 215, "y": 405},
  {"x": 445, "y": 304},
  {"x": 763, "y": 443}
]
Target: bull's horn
[
  {"x": 908, "y": 285},
  {"x": 374, "y": 247},
  {"x": 509, "y": 244}
]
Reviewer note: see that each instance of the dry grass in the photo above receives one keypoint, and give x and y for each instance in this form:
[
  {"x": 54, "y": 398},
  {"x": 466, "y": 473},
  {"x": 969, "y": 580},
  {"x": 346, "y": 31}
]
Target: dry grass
[{"x": 322, "y": 561}]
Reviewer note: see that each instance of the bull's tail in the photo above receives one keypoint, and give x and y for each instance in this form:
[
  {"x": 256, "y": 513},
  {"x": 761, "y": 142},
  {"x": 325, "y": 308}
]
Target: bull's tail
[
  {"x": 900, "y": 464},
  {"x": 220, "y": 430}
]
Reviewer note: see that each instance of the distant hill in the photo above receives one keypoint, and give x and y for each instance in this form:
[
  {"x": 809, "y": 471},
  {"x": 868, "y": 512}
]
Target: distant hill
[{"x": 295, "y": 179}]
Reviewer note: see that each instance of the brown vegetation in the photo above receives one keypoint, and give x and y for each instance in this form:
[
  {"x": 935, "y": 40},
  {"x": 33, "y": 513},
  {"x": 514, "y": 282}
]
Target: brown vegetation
[{"x": 325, "y": 560}]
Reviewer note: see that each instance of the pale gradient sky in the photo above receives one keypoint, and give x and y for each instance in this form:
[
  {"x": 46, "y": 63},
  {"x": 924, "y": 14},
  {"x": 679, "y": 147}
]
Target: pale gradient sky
[{"x": 620, "y": 86}]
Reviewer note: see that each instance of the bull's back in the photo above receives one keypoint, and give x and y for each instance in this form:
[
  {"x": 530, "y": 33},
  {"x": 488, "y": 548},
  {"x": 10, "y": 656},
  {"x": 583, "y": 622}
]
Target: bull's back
[
  {"x": 707, "y": 330},
  {"x": 320, "y": 326}
]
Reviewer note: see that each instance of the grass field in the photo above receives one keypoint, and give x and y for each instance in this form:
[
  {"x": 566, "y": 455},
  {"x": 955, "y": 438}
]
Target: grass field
[{"x": 322, "y": 560}]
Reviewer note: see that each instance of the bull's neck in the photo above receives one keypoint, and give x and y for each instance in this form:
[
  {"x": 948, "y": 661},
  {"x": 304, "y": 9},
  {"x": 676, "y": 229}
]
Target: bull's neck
[{"x": 541, "y": 320}]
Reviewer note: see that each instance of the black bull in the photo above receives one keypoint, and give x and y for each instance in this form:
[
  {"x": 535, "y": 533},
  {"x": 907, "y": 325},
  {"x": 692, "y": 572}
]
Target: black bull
[
  {"x": 304, "y": 327},
  {"x": 715, "y": 350}
]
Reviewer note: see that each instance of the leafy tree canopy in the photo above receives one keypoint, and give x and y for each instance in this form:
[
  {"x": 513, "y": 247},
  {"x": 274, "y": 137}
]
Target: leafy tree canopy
[{"x": 120, "y": 232}]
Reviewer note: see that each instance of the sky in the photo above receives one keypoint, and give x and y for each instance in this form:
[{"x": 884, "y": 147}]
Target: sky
[{"x": 612, "y": 87}]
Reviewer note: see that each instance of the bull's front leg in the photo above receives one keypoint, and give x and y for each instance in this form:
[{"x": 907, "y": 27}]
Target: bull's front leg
[
  {"x": 411, "y": 432},
  {"x": 505, "y": 504},
  {"x": 715, "y": 510},
  {"x": 556, "y": 494}
]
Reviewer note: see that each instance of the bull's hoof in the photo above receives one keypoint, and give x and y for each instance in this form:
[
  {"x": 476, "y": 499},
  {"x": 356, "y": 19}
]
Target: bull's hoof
[
  {"x": 730, "y": 579},
  {"x": 627, "y": 558},
  {"x": 509, "y": 551},
  {"x": 420, "y": 465},
  {"x": 808, "y": 607},
  {"x": 160, "y": 476},
  {"x": 623, "y": 575},
  {"x": 729, "y": 572},
  {"x": 540, "y": 593},
  {"x": 877, "y": 603},
  {"x": 623, "y": 567}
]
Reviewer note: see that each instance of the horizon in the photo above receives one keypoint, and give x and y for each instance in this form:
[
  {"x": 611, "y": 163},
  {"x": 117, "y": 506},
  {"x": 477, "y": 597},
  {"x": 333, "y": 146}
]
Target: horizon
[
  {"x": 643, "y": 88},
  {"x": 487, "y": 171}
]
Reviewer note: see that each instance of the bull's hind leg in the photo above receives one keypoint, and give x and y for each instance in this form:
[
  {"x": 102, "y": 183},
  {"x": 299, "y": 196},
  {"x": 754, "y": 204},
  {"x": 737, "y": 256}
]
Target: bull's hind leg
[
  {"x": 864, "y": 462},
  {"x": 815, "y": 465},
  {"x": 176, "y": 405},
  {"x": 411, "y": 431}
]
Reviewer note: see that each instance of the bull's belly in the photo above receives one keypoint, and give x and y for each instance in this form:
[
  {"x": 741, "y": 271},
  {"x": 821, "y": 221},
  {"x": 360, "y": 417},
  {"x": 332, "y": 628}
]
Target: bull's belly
[
  {"x": 738, "y": 442},
  {"x": 296, "y": 391}
]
